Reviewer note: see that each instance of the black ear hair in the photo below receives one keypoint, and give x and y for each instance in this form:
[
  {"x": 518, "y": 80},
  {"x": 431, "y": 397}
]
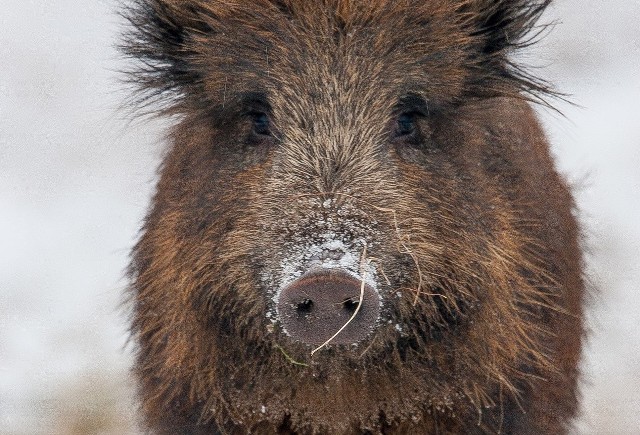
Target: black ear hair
[
  {"x": 503, "y": 24},
  {"x": 159, "y": 41},
  {"x": 498, "y": 29}
]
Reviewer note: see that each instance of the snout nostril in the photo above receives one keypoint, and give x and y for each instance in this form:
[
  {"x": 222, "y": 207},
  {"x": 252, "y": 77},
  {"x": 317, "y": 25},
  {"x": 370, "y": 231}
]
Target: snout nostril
[
  {"x": 305, "y": 306},
  {"x": 351, "y": 304}
]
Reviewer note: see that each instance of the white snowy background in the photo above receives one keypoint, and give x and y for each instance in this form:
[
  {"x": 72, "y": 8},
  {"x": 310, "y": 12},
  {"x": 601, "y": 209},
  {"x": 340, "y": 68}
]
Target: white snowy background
[{"x": 76, "y": 178}]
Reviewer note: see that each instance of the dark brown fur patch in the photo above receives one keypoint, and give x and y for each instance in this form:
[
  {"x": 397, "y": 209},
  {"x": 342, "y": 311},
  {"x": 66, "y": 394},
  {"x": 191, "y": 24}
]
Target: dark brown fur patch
[{"x": 288, "y": 130}]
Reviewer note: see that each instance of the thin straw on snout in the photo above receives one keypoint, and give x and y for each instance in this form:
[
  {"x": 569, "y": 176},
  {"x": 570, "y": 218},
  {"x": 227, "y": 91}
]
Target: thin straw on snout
[{"x": 363, "y": 262}]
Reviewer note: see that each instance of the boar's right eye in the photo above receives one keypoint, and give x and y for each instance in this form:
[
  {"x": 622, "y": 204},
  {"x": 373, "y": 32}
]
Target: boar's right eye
[{"x": 261, "y": 124}]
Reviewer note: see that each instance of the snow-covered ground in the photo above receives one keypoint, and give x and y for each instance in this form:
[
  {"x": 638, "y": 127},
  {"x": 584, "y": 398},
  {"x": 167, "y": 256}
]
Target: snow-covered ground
[{"x": 75, "y": 180}]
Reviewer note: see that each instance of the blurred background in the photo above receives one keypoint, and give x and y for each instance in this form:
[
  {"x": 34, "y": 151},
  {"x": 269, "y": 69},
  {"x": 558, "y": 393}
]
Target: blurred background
[{"x": 76, "y": 178}]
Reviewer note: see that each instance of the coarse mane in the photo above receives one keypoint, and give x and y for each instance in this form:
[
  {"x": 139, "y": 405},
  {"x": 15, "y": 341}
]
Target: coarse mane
[{"x": 169, "y": 40}]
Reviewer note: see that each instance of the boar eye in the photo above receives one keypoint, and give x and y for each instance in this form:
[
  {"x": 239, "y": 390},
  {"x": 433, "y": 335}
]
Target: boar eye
[
  {"x": 261, "y": 123},
  {"x": 406, "y": 124}
]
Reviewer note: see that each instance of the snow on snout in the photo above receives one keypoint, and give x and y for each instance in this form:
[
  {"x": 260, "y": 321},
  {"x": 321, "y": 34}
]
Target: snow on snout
[{"x": 328, "y": 252}]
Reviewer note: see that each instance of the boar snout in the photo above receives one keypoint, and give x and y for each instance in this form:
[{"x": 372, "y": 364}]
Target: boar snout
[{"x": 315, "y": 306}]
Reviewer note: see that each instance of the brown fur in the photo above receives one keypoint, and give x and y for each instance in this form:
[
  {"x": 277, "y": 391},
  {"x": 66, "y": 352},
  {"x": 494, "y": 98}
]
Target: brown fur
[{"x": 466, "y": 221}]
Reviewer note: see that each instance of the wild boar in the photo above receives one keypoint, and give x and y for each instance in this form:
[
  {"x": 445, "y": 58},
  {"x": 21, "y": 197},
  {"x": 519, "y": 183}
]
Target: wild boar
[{"x": 358, "y": 226}]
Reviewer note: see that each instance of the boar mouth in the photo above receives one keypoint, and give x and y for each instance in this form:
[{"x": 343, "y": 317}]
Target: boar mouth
[{"x": 328, "y": 305}]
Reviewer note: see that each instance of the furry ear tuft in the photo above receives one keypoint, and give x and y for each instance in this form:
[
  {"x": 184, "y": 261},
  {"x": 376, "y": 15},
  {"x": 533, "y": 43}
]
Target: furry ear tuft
[
  {"x": 159, "y": 41},
  {"x": 504, "y": 23},
  {"x": 499, "y": 29}
]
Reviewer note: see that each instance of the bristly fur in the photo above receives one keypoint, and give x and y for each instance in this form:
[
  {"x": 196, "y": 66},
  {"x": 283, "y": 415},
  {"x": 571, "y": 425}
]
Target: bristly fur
[
  {"x": 164, "y": 36},
  {"x": 288, "y": 136}
]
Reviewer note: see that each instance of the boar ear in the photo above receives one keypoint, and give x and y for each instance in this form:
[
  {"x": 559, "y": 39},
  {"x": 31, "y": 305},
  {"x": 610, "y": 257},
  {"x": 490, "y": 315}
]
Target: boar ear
[
  {"x": 505, "y": 24},
  {"x": 159, "y": 42},
  {"x": 499, "y": 28}
]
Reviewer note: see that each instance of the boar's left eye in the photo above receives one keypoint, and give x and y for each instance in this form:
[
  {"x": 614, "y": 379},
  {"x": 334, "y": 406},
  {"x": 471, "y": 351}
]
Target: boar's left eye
[
  {"x": 406, "y": 124},
  {"x": 261, "y": 124},
  {"x": 409, "y": 114}
]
